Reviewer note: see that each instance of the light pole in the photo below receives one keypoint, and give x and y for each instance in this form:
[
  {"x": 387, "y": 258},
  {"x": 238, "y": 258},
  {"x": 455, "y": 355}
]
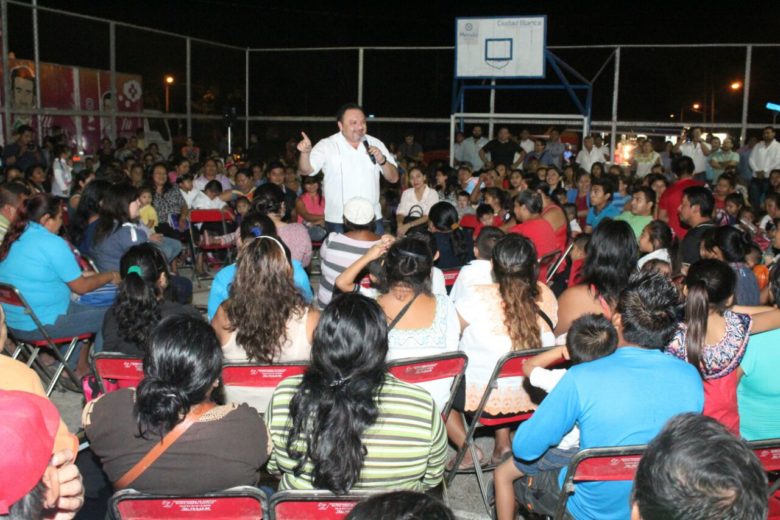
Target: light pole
[{"x": 168, "y": 81}]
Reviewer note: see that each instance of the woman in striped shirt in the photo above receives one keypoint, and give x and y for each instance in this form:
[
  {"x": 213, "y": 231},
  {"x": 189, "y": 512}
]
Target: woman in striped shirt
[{"x": 348, "y": 424}]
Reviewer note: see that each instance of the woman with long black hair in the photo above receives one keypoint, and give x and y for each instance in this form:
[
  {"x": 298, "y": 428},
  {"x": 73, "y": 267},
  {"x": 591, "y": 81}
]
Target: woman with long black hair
[
  {"x": 140, "y": 302},
  {"x": 455, "y": 244},
  {"x": 330, "y": 427},
  {"x": 223, "y": 446}
]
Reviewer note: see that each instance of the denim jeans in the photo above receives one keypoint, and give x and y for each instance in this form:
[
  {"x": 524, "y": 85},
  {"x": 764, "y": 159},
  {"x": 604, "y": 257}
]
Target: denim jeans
[{"x": 78, "y": 319}]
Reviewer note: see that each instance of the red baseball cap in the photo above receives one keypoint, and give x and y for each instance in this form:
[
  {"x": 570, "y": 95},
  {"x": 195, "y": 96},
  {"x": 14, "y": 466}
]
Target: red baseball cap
[{"x": 29, "y": 424}]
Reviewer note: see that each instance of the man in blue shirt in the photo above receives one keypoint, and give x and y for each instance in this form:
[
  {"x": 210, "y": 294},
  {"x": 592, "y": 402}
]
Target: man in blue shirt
[
  {"x": 622, "y": 399},
  {"x": 601, "y": 207}
]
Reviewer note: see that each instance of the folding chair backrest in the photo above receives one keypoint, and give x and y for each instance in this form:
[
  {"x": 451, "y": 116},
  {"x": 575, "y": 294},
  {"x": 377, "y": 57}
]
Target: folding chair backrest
[
  {"x": 123, "y": 371},
  {"x": 554, "y": 269},
  {"x": 546, "y": 261},
  {"x": 768, "y": 452},
  {"x": 242, "y": 503},
  {"x": 209, "y": 215},
  {"x": 431, "y": 368},
  {"x": 260, "y": 376},
  {"x": 450, "y": 275},
  {"x": 599, "y": 465},
  {"x": 10, "y": 295},
  {"x": 511, "y": 365},
  {"x": 319, "y": 505}
]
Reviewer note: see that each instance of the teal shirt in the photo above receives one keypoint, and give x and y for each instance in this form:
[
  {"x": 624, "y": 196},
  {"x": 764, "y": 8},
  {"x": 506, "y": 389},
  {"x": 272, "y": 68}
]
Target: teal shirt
[
  {"x": 637, "y": 222},
  {"x": 40, "y": 264},
  {"x": 758, "y": 393}
]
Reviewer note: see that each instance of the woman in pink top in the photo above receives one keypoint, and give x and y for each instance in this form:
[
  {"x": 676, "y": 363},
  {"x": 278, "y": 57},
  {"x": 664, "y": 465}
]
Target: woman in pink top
[
  {"x": 310, "y": 208},
  {"x": 269, "y": 200}
]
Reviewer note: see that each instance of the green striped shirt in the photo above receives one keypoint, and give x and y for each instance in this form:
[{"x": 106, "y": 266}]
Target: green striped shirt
[{"x": 406, "y": 447}]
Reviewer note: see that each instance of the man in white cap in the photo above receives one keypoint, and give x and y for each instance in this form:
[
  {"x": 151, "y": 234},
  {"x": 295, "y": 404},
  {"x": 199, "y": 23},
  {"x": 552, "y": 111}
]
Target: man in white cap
[
  {"x": 351, "y": 162},
  {"x": 340, "y": 250}
]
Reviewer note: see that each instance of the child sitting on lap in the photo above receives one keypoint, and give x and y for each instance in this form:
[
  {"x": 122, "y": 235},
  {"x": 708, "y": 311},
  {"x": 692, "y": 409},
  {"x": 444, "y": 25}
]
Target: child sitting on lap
[{"x": 590, "y": 337}]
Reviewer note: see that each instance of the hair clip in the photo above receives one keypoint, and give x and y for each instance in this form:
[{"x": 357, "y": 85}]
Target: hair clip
[
  {"x": 135, "y": 269},
  {"x": 256, "y": 231},
  {"x": 339, "y": 382}
]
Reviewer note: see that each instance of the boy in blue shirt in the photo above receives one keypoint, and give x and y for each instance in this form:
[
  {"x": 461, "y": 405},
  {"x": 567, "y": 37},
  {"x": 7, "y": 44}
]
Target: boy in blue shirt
[{"x": 619, "y": 400}]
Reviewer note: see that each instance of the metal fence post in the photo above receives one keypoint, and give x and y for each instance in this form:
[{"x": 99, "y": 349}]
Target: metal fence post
[
  {"x": 188, "y": 86},
  {"x": 492, "y": 110},
  {"x": 615, "y": 87},
  {"x": 246, "y": 101},
  {"x": 746, "y": 93},
  {"x": 360, "y": 76},
  {"x": 114, "y": 94},
  {"x": 37, "y": 61}
]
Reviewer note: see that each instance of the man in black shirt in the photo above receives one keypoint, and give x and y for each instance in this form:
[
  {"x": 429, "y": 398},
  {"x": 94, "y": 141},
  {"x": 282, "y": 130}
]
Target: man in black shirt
[
  {"x": 502, "y": 150},
  {"x": 695, "y": 211}
]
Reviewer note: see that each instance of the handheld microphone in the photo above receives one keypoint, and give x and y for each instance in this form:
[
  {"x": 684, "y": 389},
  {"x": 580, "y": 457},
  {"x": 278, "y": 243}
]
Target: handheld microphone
[{"x": 365, "y": 143}]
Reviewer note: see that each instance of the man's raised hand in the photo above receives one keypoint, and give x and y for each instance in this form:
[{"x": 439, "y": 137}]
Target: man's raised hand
[{"x": 304, "y": 145}]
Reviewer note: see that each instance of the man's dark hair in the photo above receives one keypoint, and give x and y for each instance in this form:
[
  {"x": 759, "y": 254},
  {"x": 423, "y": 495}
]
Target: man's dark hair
[
  {"x": 9, "y": 194},
  {"x": 184, "y": 178},
  {"x": 696, "y": 469},
  {"x": 273, "y": 165},
  {"x": 735, "y": 198},
  {"x": 683, "y": 166},
  {"x": 769, "y": 127},
  {"x": 482, "y": 210},
  {"x": 487, "y": 240},
  {"x": 591, "y": 336},
  {"x": 347, "y": 106},
  {"x": 213, "y": 186},
  {"x": 648, "y": 306},
  {"x": 24, "y": 128},
  {"x": 606, "y": 184},
  {"x": 463, "y": 193},
  {"x": 649, "y": 193},
  {"x": 702, "y": 197}
]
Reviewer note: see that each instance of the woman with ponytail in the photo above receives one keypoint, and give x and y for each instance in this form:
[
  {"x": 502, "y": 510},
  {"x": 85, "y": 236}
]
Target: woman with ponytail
[
  {"x": 455, "y": 245},
  {"x": 140, "y": 302},
  {"x": 516, "y": 313},
  {"x": 714, "y": 336},
  {"x": 35, "y": 260},
  {"x": 224, "y": 446},
  {"x": 344, "y": 424}
]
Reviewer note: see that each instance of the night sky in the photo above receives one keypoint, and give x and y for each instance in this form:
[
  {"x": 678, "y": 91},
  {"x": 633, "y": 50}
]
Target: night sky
[{"x": 654, "y": 82}]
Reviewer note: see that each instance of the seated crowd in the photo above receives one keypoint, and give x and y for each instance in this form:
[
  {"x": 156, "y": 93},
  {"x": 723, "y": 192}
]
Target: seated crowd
[{"x": 647, "y": 295}]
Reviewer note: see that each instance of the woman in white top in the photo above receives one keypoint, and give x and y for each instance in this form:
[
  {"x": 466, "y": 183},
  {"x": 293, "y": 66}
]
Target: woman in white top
[
  {"x": 264, "y": 320},
  {"x": 419, "y": 195},
  {"x": 517, "y": 313},
  {"x": 421, "y": 323},
  {"x": 646, "y": 159}
]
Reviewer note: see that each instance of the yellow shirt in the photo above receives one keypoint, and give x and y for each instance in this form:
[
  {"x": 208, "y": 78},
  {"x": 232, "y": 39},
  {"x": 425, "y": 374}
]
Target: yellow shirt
[{"x": 149, "y": 216}]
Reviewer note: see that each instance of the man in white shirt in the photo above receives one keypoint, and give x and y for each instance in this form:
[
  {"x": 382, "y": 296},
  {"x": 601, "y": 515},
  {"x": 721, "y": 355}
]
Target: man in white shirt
[
  {"x": 526, "y": 143},
  {"x": 471, "y": 148},
  {"x": 351, "y": 162},
  {"x": 588, "y": 155},
  {"x": 457, "y": 147},
  {"x": 696, "y": 149},
  {"x": 603, "y": 149},
  {"x": 764, "y": 158}
]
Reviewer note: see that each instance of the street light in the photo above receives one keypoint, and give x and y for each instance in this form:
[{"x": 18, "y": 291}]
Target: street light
[
  {"x": 735, "y": 85},
  {"x": 168, "y": 82}
]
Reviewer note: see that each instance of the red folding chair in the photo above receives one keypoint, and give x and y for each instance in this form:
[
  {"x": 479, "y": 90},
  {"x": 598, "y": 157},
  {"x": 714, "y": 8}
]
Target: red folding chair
[
  {"x": 202, "y": 216},
  {"x": 114, "y": 371},
  {"x": 511, "y": 365},
  {"x": 546, "y": 262},
  {"x": 260, "y": 376},
  {"x": 238, "y": 503},
  {"x": 432, "y": 368},
  {"x": 10, "y": 295},
  {"x": 450, "y": 275},
  {"x": 554, "y": 269},
  {"x": 599, "y": 465},
  {"x": 768, "y": 452},
  {"x": 319, "y": 505}
]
